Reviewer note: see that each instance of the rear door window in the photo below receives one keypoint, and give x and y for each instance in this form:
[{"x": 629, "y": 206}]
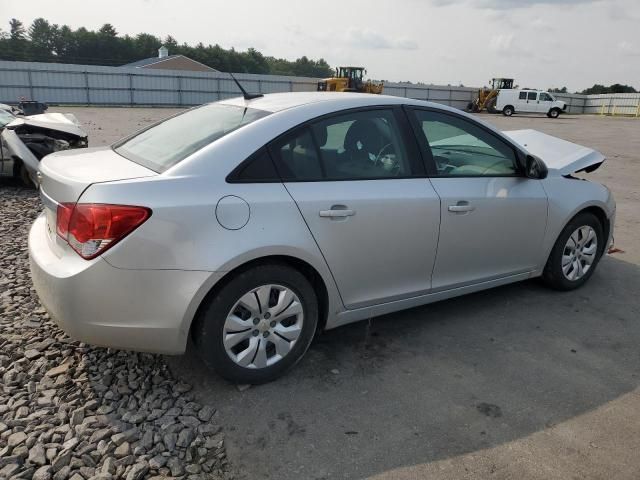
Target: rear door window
[
  {"x": 532, "y": 95},
  {"x": 297, "y": 157},
  {"x": 171, "y": 141},
  {"x": 356, "y": 145},
  {"x": 361, "y": 145}
]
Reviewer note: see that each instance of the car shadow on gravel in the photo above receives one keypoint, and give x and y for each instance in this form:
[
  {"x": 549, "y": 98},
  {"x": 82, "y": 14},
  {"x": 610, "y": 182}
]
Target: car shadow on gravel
[{"x": 434, "y": 382}]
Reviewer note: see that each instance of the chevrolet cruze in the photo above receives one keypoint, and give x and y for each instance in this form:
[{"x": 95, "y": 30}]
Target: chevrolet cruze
[{"x": 250, "y": 224}]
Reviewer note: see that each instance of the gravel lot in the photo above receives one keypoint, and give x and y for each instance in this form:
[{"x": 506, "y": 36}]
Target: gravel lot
[
  {"x": 71, "y": 411},
  {"x": 517, "y": 382}
]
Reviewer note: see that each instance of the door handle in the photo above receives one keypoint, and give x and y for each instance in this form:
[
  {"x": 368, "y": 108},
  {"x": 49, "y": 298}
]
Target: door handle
[
  {"x": 337, "y": 213},
  {"x": 461, "y": 207}
]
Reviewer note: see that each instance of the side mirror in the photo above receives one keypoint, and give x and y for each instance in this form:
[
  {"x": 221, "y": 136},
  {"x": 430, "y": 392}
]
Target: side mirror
[{"x": 535, "y": 168}]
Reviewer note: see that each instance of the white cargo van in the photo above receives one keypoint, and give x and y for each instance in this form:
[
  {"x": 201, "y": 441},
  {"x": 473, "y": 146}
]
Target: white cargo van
[{"x": 515, "y": 100}]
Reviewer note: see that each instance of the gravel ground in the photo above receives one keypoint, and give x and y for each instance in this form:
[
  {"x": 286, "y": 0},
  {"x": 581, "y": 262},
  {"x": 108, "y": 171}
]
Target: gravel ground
[{"x": 72, "y": 411}]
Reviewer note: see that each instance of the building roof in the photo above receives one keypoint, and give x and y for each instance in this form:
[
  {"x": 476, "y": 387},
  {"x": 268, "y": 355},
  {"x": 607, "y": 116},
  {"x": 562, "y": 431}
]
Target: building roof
[{"x": 145, "y": 62}]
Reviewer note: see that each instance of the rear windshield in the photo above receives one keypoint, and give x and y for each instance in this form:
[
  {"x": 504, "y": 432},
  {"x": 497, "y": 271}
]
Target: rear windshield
[{"x": 171, "y": 141}]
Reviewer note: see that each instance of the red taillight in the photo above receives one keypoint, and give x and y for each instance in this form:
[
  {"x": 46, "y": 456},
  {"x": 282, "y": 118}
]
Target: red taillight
[
  {"x": 91, "y": 228},
  {"x": 63, "y": 217}
]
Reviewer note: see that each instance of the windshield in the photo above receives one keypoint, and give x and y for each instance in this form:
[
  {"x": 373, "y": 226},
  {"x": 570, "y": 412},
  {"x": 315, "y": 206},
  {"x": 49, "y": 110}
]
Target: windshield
[
  {"x": 171, "y": 141},
  {"x": 5, "y": 118}
]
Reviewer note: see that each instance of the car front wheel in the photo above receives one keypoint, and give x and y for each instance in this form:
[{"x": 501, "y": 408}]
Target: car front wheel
[
  {"x": 575, "y": 254},
  {"x": 258, "y": 325},
  {"x": 553, "y": 113}
]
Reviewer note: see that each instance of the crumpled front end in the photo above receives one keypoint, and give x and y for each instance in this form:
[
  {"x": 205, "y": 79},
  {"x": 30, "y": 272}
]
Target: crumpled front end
[
  {"x": 28, "y": 140},
  {"x": 559, "y": 155}
]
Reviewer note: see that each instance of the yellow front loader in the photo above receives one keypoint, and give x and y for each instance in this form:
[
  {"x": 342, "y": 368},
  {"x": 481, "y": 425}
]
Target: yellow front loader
[{"x": 349, "y": 79}]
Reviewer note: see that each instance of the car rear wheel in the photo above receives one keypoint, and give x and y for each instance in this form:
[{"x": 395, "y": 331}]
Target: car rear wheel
[
  {"x": 507, "y": 111},
  {"x": 258, "y": 325},
  {"x": 575, "y": 254},
  {"x": 25, "y": 176}
]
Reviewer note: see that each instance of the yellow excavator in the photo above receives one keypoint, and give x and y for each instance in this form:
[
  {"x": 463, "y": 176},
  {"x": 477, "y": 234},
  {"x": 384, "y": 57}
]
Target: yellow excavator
[
  {"x": 349, "y": 79},
  {"x": 488, "y": 96}
]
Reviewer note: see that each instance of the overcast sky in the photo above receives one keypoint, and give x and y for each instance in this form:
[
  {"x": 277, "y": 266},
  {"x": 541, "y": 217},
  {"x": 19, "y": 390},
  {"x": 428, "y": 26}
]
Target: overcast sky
[{"x": 541, "y": 43}]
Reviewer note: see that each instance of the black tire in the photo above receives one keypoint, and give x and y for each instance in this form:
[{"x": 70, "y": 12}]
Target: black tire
[
  {"x": 470, "y": 107},
  {"x": 553, "y": 113},
  {"x": 553, "y": 275},
  {"x": 24, "y": 176},
  {"x": 508, "y": 111},
  {"x": 208, "y": 329},
  {"x": 491, "y": 105}
]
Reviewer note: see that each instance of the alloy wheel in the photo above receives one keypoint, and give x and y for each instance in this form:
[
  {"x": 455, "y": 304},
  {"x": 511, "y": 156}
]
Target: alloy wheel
[
  {"x": 579, "y": 252},
  {"x": 263, "y": 326}
]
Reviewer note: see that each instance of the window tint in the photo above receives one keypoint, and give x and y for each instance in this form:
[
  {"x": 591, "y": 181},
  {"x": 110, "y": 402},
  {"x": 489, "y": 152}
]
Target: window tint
[
  {"x": 532, "y": 95},
  {"x": 545, "y": 97},
  {"x": 461, "y": 148},
  {"x": 523, "y": 95},
  {"x": 361, "y": 145},
  {"x": 171, "y": 141},
  {"x": 297, "y": 157},
  {"x": 257, "y": 168}
]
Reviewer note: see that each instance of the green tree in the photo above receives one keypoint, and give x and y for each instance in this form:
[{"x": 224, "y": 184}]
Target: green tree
[
  {"x": 615, "y": 88},
  {"x": 50, "y": 42},
  {"x": 42, "y": 36},
  {"x": 108, "y": 30},
  {"x": 16, "y": 29}
]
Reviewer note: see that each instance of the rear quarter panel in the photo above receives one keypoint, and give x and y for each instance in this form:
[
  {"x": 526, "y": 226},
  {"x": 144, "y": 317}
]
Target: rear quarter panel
[{"x": 183, "y": 232}]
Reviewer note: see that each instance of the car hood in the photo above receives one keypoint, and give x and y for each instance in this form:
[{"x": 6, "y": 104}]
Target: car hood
[
  {"x": 559, "y": 155},
  {"x": 63, "y": 122}
]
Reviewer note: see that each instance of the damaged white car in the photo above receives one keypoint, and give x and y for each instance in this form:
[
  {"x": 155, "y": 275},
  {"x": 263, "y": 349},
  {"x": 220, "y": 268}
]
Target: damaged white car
[{"x": 27, "y": 139}]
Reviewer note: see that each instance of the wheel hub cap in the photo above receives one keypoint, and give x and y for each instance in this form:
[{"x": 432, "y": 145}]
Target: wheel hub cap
[
  {"x": 263, "y": 326},
  {"x": 579, "y": 253}
]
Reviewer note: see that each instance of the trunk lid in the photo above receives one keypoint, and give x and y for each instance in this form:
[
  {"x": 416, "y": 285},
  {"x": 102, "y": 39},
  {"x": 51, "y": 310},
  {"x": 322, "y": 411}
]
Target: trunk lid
[
  {"x": 560, "y": 155},
  {"x": 65, "y": 175}
]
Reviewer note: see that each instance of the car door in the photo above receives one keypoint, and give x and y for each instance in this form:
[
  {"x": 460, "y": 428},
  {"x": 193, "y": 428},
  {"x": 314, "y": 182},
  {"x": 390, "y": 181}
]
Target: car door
[
  {"x": 359, "y": 182},
  {"x": 532, "y": 102},
  {"x": 493, "y": 219}
]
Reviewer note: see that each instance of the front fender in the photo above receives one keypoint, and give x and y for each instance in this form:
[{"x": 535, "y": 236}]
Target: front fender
[{"x": 568, "y": 196}]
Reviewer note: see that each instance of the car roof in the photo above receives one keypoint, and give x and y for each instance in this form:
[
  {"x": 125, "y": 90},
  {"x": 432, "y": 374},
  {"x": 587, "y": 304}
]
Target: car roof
[{"x": 275, "y": 102}]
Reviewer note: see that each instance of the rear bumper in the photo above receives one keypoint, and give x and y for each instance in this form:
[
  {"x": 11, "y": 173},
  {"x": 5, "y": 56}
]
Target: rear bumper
[{"x": 142, "y": 310}]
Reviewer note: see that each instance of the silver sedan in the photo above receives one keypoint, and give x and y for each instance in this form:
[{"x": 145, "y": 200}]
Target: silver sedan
[{"x": 250, "y": 224}]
